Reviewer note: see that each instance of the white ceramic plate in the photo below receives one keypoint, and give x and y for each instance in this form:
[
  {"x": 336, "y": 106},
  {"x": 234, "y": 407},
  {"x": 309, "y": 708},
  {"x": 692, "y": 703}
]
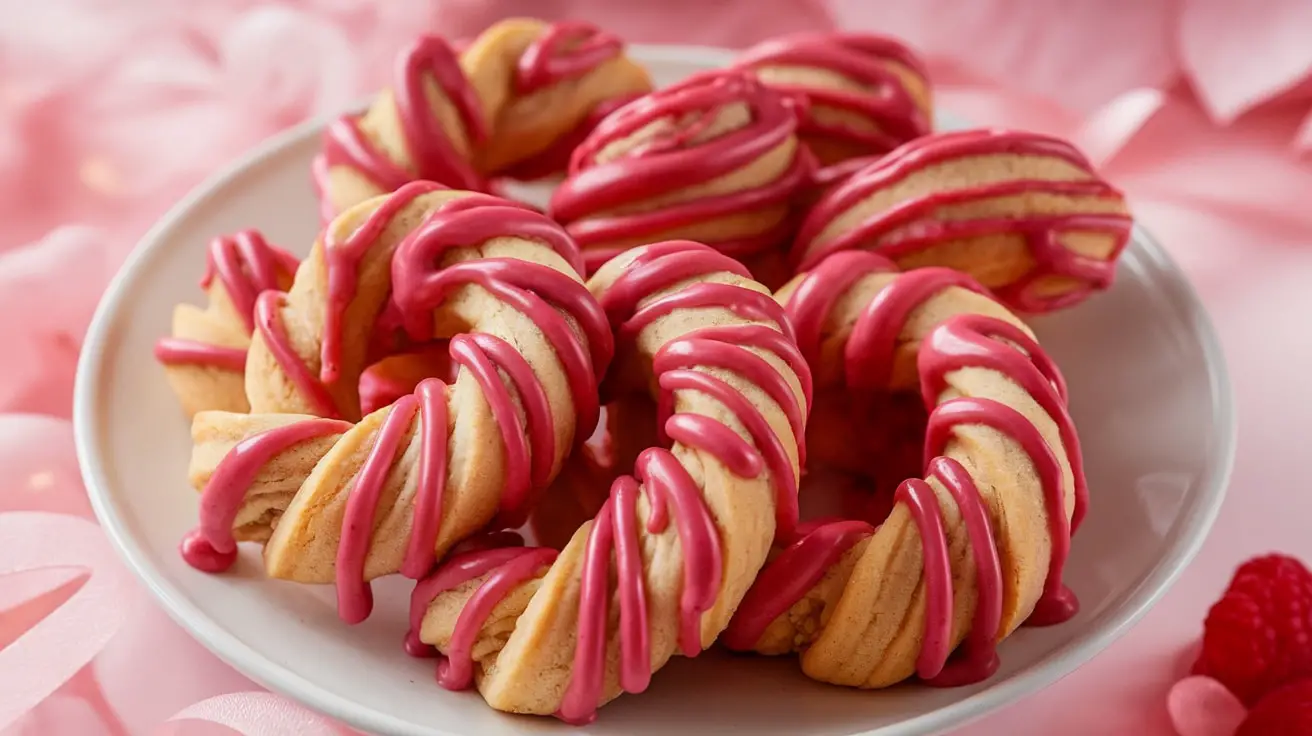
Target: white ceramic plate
[{"x": 1149, "y": 395}]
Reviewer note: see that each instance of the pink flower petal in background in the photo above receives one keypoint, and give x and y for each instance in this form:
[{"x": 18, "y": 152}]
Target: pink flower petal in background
[
  {"x": 149, "y": 647},
  {"x": 669, "y": 21},
  {"x": 1105, "y": 132},
  {"x": 53, "y": 650},
  {"x": 1243, "y": 170},
  {"x": 280, "y": 65},
  {"x": 38, "y": 466},
  {"x": 48, "y": 292},
  {"x": 1303, "y": 142},
  {"x": 60, "y": 715},
  {"x": 1078, "y": 53},
  {"x": 260, "y": 714},
  {"x": 1241, "y": 55}
]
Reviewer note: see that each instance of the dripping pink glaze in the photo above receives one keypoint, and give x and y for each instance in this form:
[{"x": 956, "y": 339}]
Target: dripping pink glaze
[
  {"x": 354, "y": 598},
  {"x": 210, "y": 547},
  {"x": 868, "y": 360},
  {"x": 246, "y": 264},
  {"x": 909, "y": 226},
  {"x": 268, "y": 320},
  {"x": 564, "y": 50},
  {"x": 979, "y": 657},
  {"x": 455, "y": 572},
  {"x": 463, "y": 222},
  {"x": 864, "y": 59},
  {"x": 977, "y": 340},
  {"x": 663, "y": 265},
  {"x": 960, "y": 341},
  {"x": 179, "y": 351},
  {"x": 788, "y": 577},
  {"x": 663, "y": 166},
  {"x": 431, "y": 151},
  {"x": 672, "y": 493}
]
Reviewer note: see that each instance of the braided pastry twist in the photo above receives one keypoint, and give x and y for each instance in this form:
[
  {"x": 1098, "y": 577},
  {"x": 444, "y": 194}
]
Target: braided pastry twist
[
  {"x": 714, "y": 158},
  {"x": 1024, "y": 214},
  {"x": 393, "y": 492},
  {"x": 970, "y": 552},
  {"x": 535, "y": 629},
  {"x": 205, "y": 356},
  {"x": 865, "y": 94},
  {"x": 515, "y": 102}
]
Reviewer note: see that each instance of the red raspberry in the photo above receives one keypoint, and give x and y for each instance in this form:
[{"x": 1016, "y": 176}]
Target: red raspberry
[
  {"x": 1285, "y": 712},
  {"x": 1259, "y": 635}
]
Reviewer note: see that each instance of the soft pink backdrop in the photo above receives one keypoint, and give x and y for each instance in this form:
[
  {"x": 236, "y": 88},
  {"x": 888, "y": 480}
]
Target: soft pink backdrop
[{"x": 110, "y": 109}]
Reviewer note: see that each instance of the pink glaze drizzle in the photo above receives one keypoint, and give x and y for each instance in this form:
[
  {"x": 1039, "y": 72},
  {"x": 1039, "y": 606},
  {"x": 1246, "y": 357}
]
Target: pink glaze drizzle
[
  {"x": 672, "y": 493},
  {"x": 210, "y": 547},
  {"x": 180, "y": 351},
  {"x": 246, "y": 264},
  {"x": 431, "y": 151},
  {"x": 864, "y": 58},
  {"x": 910, "y": 226},
  {"x": 587, "y": 199},
  {"x": 960, "y": 341},
  {"x": 268, "y": 320},
  {"x": 564, "y": 50},
  {"x": 788, "y": 577}
]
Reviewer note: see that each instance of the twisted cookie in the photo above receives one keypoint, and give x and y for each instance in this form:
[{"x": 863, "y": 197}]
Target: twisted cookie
[
  {"x": 1024, "y": 214},
  {"x": 687, "y": 533},
  {"x": 966, "y": 554},
  {"x": 395, "y": 491},
  {"x": 515, "y": 102},
  {"x": 865, "y": 94},
  {"x": 715, "y": 158},
  {"x": 205, "y": 356}
]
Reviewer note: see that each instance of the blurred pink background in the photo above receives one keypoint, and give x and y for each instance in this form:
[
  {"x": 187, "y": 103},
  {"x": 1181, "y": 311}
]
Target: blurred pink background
[{"x": 111, "y": 109}]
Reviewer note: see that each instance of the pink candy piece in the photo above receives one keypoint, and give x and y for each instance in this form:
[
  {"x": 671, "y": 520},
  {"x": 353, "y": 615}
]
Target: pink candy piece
[{"x": 1201, "y": 706}]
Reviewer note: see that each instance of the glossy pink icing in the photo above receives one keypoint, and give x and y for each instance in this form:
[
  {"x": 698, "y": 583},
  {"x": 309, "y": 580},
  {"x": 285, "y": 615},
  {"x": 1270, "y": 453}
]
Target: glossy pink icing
[
  {"x": 960, "y": 341},
  {"x": 672, "y": 492},
  {"x": 565, "y": 50},
  {"x": 210, "y": 546},
  {"x": 420, "y": 285},
  {"x": 180, "y": 351},
  {"x": 246, "y": 265},
  {"x": 588, "y": 199},
  {"x": 432, "y": 154},
  {"x": 910, "y": 226},
  {"x": 863, "y": 58}
]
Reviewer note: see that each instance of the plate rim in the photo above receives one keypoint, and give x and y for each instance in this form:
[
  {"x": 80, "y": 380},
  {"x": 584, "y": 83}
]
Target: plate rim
[{"x": 1195, "y": 526}]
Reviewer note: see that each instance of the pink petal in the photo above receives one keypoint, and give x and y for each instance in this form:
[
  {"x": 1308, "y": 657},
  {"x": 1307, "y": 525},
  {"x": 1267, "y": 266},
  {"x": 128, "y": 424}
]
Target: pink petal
[
  {"x": 1242, "y": 170},
  {"x": 1080, "y": 53},
  {"x": 261, "y": 714},
  {"x": 283, "y": 65},
  {"x": 60, "y": 715},
  {"x": 1240, "y": 55},
  {"x": 47, "y": 45},
  {"x": 53, "y": 650},
  {"x": 48, "y": 291},
  {"x": 1109, "y": 128},
  {"x": 992, "y": 105},
  {"x": 1201, "y": 706},
  {"x": 732, "y": 24},
  {"x": 39, "y": 462},
  {"x": 1303, "y": 141},
  {"x": 152, "y": 669}
]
